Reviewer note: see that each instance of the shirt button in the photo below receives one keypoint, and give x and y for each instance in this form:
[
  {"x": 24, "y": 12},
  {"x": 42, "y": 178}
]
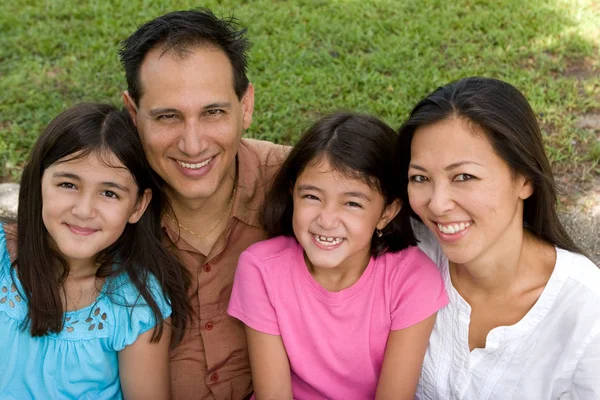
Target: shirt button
[
  {"x": 214, "y": 377},
  {"x": 208, "y": 326},
  {"x": 207, "y": 268}
]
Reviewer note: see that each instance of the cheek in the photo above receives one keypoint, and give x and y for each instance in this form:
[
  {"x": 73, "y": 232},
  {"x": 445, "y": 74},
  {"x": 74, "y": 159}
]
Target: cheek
[
  {"x": 417, "y": 198},
  {"x": 156, "y": 138}
]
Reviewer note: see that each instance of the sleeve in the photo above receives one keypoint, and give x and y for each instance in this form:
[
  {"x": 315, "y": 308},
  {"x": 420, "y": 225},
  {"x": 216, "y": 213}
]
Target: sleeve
[
  {"x": 133, "y": 315},
  {"x": 250, "y": 300},
  {"x": 418, "y": 290},
  {"x": 586, "y": 382}
]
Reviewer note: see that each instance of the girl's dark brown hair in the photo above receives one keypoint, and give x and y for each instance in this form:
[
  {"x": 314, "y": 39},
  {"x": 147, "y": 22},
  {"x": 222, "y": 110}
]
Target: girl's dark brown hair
[
  {"x": 82, "y": 130},
  {"x": 360, "y": 147},
  {"x": 509, "y": 123}
]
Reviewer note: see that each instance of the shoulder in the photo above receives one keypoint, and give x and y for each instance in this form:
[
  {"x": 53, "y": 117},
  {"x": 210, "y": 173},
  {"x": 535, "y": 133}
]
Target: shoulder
[
  {"x": 272, "y": 250},
  {"x": 411, "y": 260},
  {"x": 264, "y": 151},
  {"x": 578, "y": 268},
  {"x": 8, "y": 239},
  {"x": 8, "y": 247},
  {"x": 123, "y": 292},
  {"x": 265, "y": 157}
]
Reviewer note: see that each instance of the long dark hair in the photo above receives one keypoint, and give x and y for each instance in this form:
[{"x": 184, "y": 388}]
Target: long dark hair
[
  {"x": 506, "y": 118},
  {"x": 76, "y": 133},
  {"x": 360, "y": 147}
]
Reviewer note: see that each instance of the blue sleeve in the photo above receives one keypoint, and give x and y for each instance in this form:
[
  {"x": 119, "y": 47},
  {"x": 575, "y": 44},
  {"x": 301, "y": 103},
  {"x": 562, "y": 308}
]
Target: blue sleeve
[{"x": 133, "y": 316}]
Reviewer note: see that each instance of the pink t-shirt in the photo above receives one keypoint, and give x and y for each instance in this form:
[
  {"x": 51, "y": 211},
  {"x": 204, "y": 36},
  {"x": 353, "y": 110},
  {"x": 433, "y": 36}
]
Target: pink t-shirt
[{"x": 335, "y": 341}]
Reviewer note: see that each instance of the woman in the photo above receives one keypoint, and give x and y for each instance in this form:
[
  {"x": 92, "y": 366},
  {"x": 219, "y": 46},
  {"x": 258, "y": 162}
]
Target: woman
[{"x": 523, "y": 320}]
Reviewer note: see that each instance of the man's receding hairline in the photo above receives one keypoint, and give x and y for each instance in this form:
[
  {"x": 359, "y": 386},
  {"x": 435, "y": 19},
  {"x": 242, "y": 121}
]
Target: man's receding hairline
[{"x": 181, "y": 52}]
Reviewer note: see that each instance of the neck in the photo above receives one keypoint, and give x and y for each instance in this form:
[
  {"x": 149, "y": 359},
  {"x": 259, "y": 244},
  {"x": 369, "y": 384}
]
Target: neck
[
  {"x": 341, "y": 277},
  {"x": 204, "y": 210},
  {"x": 81, "y": 269},
  {"x": 499, "y": 275}
]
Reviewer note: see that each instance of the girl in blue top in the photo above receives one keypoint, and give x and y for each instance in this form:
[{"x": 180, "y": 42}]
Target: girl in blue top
[{"x": 89, "y": 298}]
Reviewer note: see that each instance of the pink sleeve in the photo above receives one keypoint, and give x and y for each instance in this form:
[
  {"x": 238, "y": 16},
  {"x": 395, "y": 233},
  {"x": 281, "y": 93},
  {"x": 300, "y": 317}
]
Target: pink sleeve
[
  {"x": 250, "y": 298},
  {"x": 419, "y": 290}
]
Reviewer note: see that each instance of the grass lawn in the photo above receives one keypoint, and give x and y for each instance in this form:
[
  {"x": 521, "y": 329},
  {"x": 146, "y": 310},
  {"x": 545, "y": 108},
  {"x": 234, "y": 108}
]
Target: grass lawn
[{"x": 311, "y": 57}]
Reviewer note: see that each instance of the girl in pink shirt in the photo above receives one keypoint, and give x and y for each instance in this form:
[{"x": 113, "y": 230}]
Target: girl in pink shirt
[{"x": 339, "y": 304}]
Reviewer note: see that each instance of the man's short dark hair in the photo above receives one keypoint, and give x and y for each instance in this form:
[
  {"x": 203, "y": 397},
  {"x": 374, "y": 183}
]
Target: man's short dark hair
[{"x": 181, "y": 31}]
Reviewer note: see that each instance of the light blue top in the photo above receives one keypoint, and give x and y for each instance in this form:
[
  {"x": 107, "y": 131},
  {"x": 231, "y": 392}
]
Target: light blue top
[{"x": 81, "y": 361}]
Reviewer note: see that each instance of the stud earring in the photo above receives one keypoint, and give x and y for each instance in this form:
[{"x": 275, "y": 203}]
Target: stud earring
[{"x": 379, "y": 233}]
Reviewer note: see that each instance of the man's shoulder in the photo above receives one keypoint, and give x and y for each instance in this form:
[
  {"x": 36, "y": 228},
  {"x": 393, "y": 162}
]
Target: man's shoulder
[{"x": 263, "y": 154}]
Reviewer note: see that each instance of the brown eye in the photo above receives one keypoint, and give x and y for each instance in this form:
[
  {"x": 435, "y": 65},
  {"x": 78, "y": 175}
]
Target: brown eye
[
  {"x": 463, "y": 177},
  {"x": 417, "y": 178}
]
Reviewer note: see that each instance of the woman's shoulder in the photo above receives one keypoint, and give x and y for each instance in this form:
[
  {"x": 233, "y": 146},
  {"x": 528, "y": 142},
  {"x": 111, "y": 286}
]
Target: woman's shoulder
[{"x": 578, "y": 268}]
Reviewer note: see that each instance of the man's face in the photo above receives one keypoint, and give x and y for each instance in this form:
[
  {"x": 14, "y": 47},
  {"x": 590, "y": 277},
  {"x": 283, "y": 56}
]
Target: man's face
[{"x": 190, "y": 120}]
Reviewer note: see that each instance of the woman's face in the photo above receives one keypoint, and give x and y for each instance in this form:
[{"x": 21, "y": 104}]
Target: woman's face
[{"x": 464, "y": 192}]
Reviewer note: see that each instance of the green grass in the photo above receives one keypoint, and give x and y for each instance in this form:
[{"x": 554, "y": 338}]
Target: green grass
[{"x": 312, "y": 57}]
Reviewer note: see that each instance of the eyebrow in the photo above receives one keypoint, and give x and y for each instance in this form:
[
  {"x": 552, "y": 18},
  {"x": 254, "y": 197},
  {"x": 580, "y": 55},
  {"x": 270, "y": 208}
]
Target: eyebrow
[
  {"x": 66, "y": 175},
  {"x": 448, "y": 167},
  {"x": 108, "y": 184},
  {"x": 351, "y": 194},
  {"x": 309, "y": 187},
  {"x": 166, "y": 110}
]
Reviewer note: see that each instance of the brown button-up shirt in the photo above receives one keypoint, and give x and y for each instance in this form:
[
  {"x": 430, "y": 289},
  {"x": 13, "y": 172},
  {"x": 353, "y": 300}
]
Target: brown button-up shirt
[{"x": 212, "y": 362}]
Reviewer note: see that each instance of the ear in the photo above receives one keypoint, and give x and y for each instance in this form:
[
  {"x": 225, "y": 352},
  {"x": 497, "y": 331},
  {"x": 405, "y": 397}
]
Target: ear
[
  {"x": 525, "y": 187},
  {"x": 130, "y": 106},
  {"x": 389, "y": 213},
  {"x": 140, "y": 206},
  {"x": 248, "y": 106}
]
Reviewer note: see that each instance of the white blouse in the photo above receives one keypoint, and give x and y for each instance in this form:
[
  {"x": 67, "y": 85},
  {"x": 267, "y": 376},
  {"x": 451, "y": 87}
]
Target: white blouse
[{"x": 552, "y": 353}]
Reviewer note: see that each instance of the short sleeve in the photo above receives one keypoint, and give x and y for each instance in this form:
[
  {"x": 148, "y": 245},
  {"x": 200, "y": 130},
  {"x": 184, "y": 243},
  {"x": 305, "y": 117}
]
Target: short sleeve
[
  {"x": 419, "y": 289},
  {"x": 586, "y": 385},
  {"x": 133, "y": 316},
  {"x": 250, "y": 300}
]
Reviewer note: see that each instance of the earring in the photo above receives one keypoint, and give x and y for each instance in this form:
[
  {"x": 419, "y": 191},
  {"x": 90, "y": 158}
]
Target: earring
[{"x": 379, "y": 233}]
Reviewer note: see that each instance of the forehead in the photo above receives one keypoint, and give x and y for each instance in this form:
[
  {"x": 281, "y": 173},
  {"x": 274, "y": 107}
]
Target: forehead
[
  {"x": 200, "y": 72},
  {"x": 449, "y": 141},
  {"x": 322, "y": 174},
  {"x": 97, "y": 166}
]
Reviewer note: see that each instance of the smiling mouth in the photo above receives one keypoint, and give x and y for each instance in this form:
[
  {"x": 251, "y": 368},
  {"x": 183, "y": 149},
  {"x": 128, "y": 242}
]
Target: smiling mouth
[
  {"x": 194, "y": 165},
  {"x": 78, "y": 230},
  {"x": 451, "y": 229},
  {"x": 328, "y": 240}
]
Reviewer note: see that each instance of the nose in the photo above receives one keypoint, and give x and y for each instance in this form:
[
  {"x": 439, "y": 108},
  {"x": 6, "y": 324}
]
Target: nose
[
  {"x": 328, "y": 218},
  {"x": 84, "y": 207},
  {"x": 191, "y": 141},
  {"x": 441, "y": 199}
]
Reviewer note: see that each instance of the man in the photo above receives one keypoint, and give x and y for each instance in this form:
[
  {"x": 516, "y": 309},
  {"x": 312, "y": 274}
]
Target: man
[{"x": 191, "y": 100}]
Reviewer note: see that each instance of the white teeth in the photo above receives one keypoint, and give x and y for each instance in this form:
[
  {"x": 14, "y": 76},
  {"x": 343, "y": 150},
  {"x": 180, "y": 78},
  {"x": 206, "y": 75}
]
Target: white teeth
[
  {"x": 194, "y": 166},
  {"x": 328, "y": 240},
  {"x": 453, "y": 228}
]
